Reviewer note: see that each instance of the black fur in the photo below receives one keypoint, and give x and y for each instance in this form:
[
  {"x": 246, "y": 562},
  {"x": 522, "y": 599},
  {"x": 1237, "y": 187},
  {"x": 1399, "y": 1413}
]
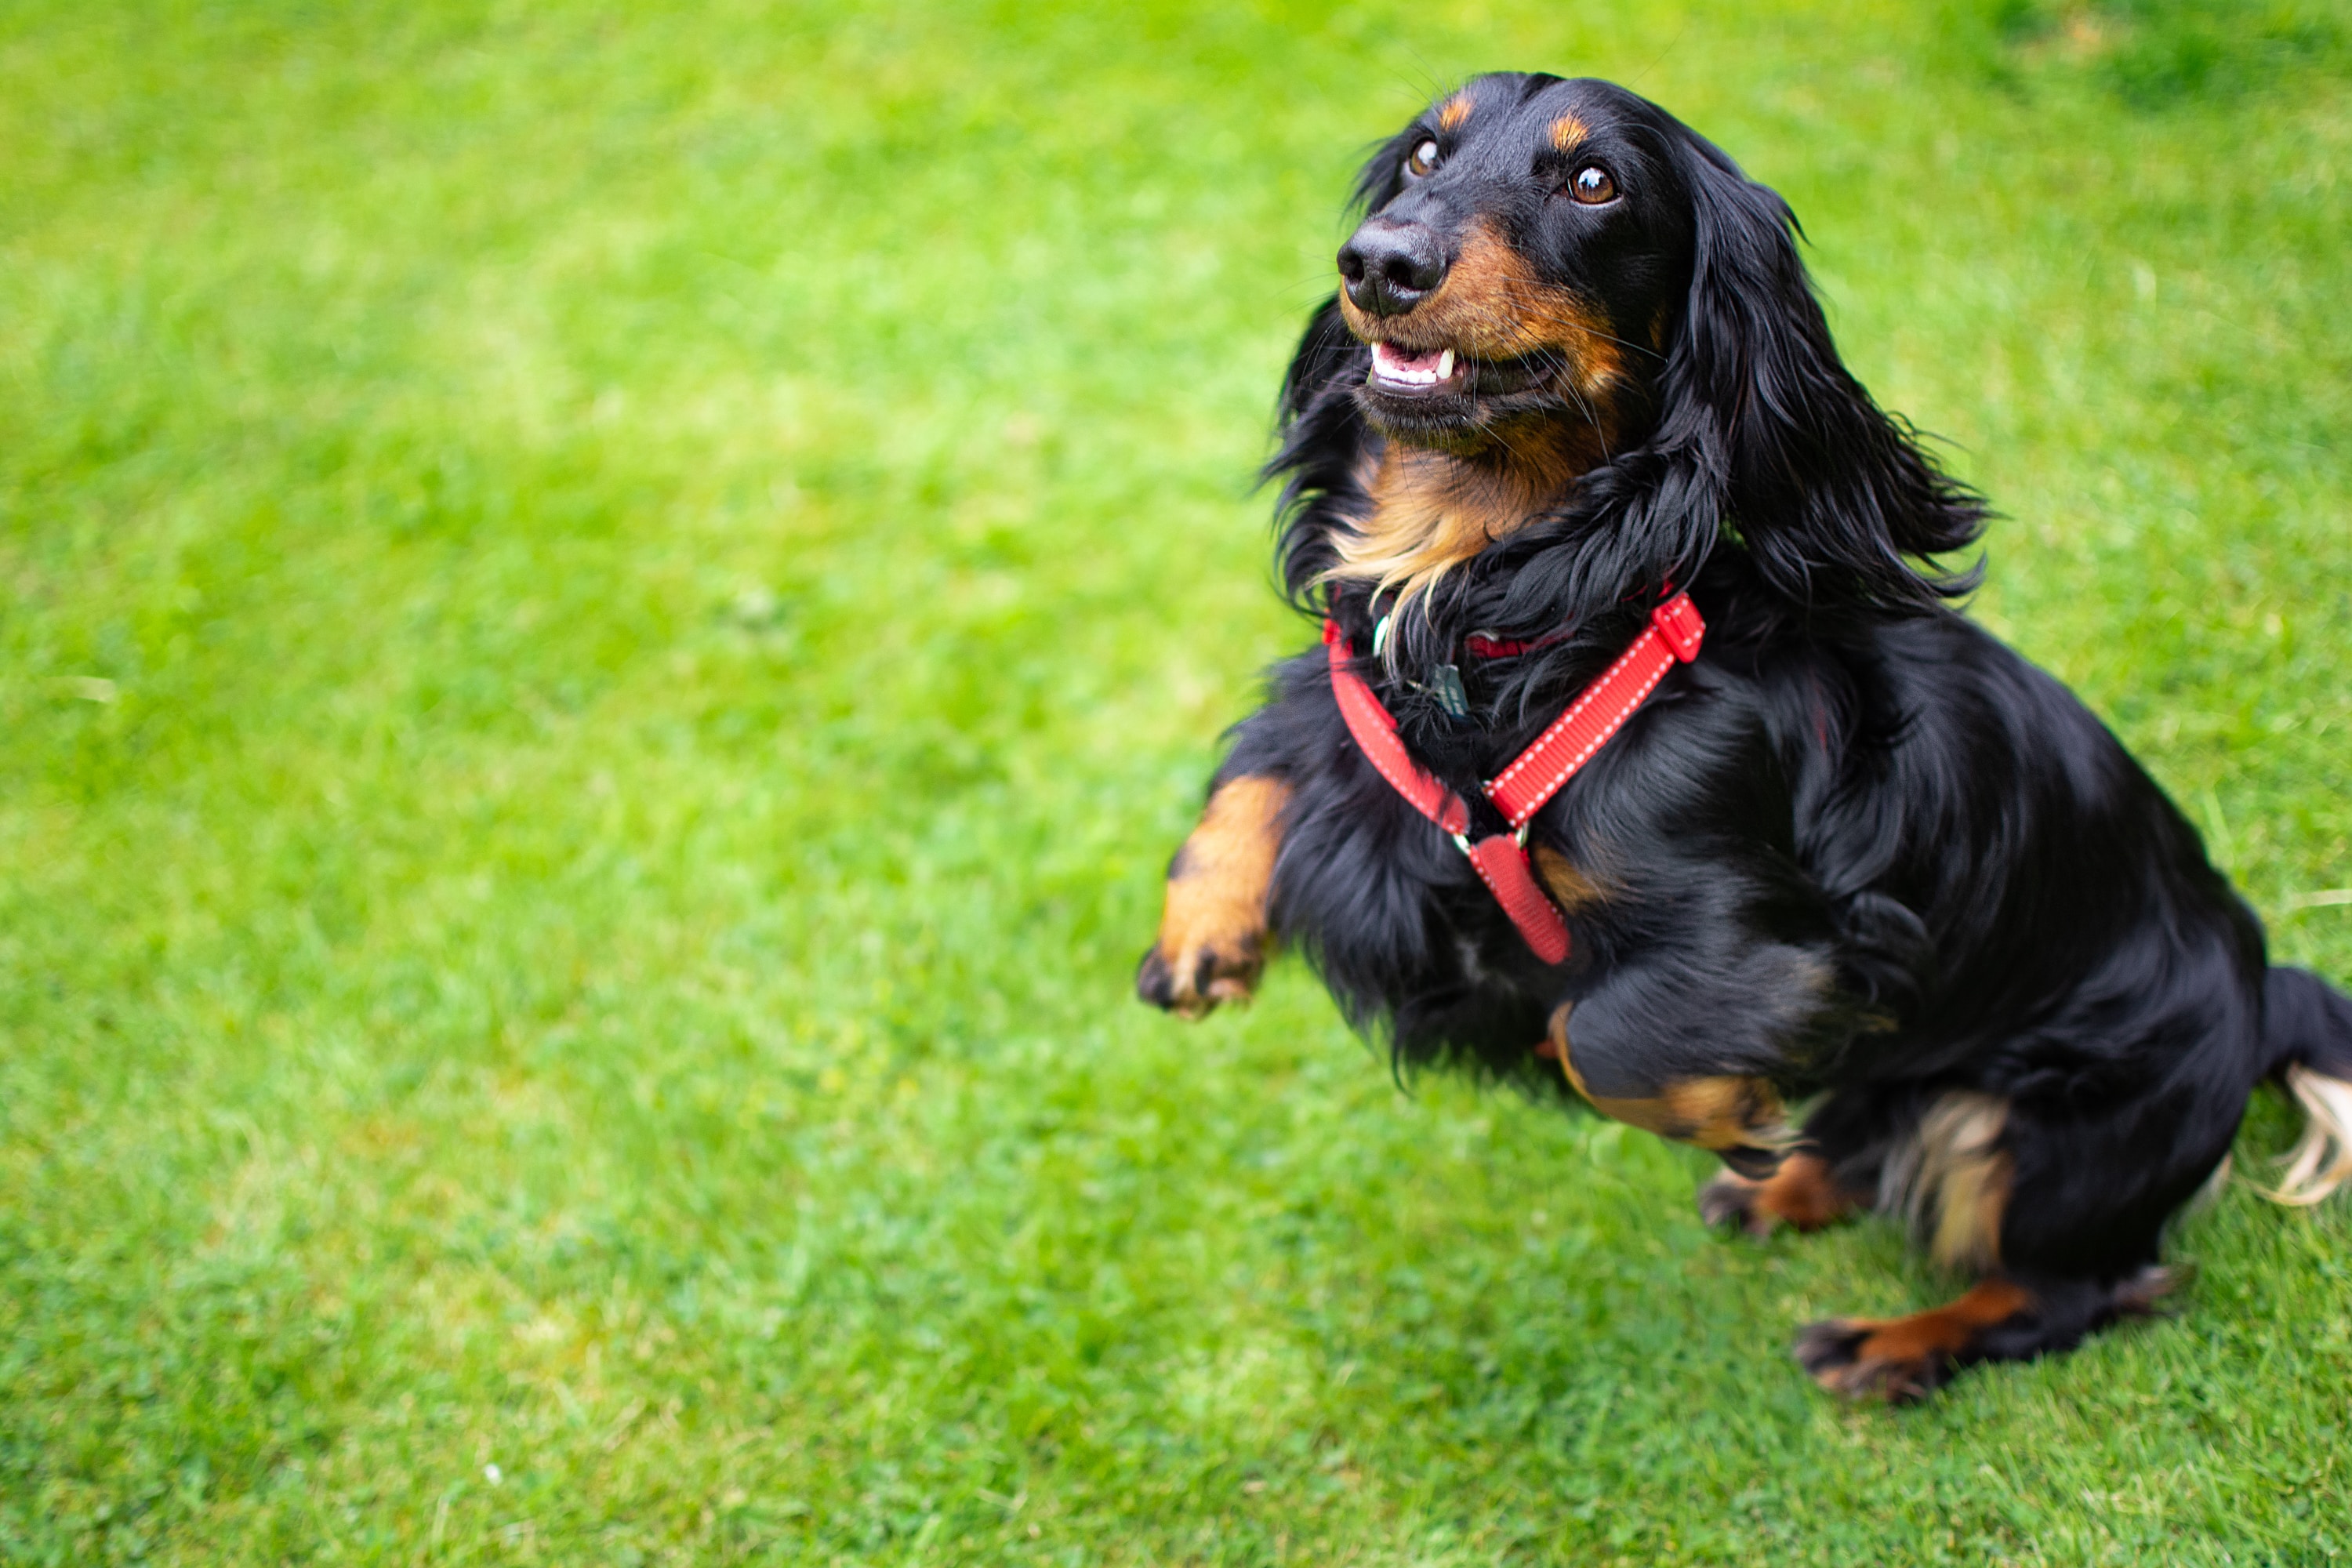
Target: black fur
[{"x": 1859, "y": 849}]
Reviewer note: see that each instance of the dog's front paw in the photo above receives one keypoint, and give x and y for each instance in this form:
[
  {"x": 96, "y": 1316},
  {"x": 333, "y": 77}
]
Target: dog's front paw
[
  {"x": 1212, "y": 925},
  {"x": 1799, "y": 1190},
  {"x": 1190, "y": 978}
]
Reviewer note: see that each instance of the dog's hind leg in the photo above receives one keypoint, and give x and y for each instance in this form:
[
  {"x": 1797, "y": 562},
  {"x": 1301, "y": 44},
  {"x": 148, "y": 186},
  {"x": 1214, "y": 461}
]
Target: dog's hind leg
[
  {"x": 1212, "y": 921},
  {"x": 2000, "y": 1318},
  {"x": 2059, "y": 1215}
]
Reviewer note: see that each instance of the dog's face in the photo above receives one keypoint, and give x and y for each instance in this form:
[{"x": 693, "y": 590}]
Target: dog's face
[{"x": 1526, "y": 242}]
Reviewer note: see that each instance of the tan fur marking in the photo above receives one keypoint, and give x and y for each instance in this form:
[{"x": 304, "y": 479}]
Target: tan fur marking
[
  {"x": 1946, "y": 1329},
  {"x": 1803, "y": 1194},
  {"x": 1723, "y": 1112},
  {"x": 1567, "y": 130},
  {"x": 1802, "y": 1191},
  {"x": 1215, "y": 900},
  {"x": 1718, "y": 1112},
  {"x": 1952, "y": 1180},
  {"x": 2321, "y": 1159},
  {"x": 1968, "y": 1220},
  {"x": 1571, "y": 889},
  {"x": 1430, "y": 511},
  {"x": 1457, "y": 109},
  {"x": 1900, "y": 1359}
]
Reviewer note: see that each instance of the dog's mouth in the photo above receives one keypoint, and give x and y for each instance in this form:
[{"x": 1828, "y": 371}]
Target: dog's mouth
[
  {"x": 1441, "y": 373},
  {"x": 1411, "y": 375}
]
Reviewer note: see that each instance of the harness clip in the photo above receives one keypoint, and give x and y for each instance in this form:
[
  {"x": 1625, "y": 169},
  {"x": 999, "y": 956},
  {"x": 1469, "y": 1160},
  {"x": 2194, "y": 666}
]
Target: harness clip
[{"x": 1678, "y": 621}]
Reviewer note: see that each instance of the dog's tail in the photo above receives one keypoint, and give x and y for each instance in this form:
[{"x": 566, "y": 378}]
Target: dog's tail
[{"x": 2308, "y": 1033}]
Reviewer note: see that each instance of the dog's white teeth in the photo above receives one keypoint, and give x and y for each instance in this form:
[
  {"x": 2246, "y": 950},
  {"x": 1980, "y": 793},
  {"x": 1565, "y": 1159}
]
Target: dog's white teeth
[{"x": 1399, "y": 369}]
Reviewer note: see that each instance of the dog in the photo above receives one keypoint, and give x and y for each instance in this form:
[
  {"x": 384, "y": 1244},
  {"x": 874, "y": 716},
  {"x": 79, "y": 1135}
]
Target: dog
[{"x": 1574, "y": 411}]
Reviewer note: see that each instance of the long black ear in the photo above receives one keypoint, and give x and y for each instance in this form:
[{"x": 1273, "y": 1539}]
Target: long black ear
[
  {"x": 1320, "y": 433},
  {"x": 1320, "y": 430},
  {"x": 1829, "y": 494}
]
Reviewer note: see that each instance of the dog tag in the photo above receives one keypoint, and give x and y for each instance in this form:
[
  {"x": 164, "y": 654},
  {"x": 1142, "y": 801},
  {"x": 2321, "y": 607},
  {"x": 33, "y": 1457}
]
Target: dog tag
[{"x": 1445, "y": 685}]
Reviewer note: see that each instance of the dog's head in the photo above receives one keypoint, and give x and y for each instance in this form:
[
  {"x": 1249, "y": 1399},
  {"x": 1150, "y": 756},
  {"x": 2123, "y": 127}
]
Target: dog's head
[
  {"x": 1526, "y": 242},
  {"x": 1560, "y": 277}
]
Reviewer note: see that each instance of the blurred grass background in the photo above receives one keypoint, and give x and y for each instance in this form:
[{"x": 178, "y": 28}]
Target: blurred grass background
[{"x": 610, "y": 617}]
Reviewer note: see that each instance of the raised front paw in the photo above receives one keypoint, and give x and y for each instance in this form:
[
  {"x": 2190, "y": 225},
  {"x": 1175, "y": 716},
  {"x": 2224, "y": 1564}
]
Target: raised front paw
[
  {"x": 1212, "y": 934},
  {"x": 1189, "y": 978}
]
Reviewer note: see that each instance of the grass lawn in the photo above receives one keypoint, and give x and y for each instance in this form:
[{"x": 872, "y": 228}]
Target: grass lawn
[{"x": 610, "y": 616}]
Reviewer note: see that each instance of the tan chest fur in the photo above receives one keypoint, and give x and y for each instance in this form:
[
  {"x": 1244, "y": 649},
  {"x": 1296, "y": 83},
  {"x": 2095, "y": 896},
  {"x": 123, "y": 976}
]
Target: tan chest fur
[{"x": 1430, "y": 511}]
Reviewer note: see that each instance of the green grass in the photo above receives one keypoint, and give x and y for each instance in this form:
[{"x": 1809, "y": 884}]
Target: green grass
[{"x": 611, "y": 614}]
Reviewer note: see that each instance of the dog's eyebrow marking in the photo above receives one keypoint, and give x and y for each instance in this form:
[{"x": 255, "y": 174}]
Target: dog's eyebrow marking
[
  {"x": 1567, "y": 130},
  {"x": 1457, "y": 109}
]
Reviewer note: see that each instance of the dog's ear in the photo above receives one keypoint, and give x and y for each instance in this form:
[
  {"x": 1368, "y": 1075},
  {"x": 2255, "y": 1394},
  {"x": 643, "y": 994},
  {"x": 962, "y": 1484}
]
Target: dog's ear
[
  {"x": 1325, "y": 351},
  {"x": 1320, "y": 434},
  {"x": 1833, "y": 498}
]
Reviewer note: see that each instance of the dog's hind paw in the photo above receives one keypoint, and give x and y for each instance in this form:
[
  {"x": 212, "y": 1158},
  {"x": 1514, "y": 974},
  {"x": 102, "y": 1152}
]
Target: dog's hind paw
[
  {"x": 1839, "y": 1353},
  {"x": 1901, "y": 1360}
]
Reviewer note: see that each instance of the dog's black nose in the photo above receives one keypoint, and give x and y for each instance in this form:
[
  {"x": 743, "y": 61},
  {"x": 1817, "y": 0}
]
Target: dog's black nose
[{"x": 1389, "y": 267}]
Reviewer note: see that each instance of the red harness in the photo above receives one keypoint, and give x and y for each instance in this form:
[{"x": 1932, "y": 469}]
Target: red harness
[{"x": 1535, "y": 775}]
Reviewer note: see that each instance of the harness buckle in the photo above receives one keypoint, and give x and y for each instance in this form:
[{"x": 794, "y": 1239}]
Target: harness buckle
[
  {"x": 1678, "y": 621},
  {"x": 1462, "y": 840}
]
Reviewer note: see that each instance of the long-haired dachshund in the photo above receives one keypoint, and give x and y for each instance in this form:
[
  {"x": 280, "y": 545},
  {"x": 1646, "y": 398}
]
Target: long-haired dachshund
[{"x": 1643, "y": 750}]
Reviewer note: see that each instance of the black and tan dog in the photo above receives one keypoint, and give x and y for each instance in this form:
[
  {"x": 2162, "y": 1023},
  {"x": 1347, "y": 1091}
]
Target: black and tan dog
[{"x": 1857, "y": 852}]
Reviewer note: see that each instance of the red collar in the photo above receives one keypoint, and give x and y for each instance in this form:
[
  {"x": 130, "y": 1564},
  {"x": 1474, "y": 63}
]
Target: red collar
[{"x": 1535, "y": 775}]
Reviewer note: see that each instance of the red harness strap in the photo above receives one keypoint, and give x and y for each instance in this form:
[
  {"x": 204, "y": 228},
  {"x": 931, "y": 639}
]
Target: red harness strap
[{"x": 1535, "y": 775}]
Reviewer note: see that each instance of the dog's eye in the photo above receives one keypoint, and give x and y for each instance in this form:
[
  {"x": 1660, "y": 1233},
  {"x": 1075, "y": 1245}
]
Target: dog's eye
[
  {"x": 1423, "y": 159},
  {"x": 1591, "y": 186}
]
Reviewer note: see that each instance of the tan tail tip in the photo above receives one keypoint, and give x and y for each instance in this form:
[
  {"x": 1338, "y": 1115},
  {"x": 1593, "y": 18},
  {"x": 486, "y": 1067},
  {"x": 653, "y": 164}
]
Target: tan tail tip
[{"x": 2321, "y": 1159}]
